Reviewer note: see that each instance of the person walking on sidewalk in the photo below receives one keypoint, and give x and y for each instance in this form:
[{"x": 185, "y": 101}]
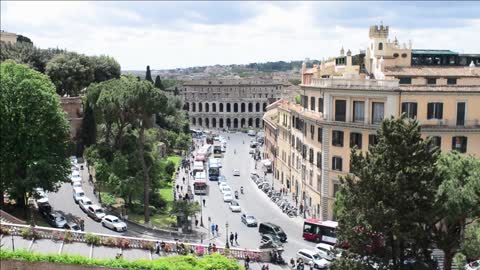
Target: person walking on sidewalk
[
  {"x": 231, "y": 238},
  {"x": 157, "y": 247},
  {"x": 236, "y": 238},
  {"x": 216, "y": 228},
  {"x": 204, "y": 202},
  {"x": 213, "y": 229}
]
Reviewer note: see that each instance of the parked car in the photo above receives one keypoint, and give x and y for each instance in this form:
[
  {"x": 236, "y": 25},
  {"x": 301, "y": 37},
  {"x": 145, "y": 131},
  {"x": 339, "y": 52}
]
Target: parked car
[
  {"x": 270, "y": 228},
  {"x": 84, "y": 203},
  {"x": 222, "y": 179},
  {"x": 113, "y": 223},
  {"x": 76, "y": 184},
  {"x": 222, "y": 185},
  {"x": 236, "y": 172},
  {"x": 44, "y": 208},
  {"x": 227, "y": 197},
  {"x": 72, "y": 226},
  {"x": 56, "y": 219},
  {"x": 475, "y": 265},
  {"x": 96, "y": 212},
  {"x": 226, "y": 189},
  {"x": 235, "y": 206},
  {"x": 249, "y": 220},
  {"x": 76, "y": 178},
  {"x": 310, "y": 256},
  {"x": 78, "y": 194},
  {"x": 252, "y": 132},
  {"x": 325, "y": 251},
  {"x": 269, "y": 241}
]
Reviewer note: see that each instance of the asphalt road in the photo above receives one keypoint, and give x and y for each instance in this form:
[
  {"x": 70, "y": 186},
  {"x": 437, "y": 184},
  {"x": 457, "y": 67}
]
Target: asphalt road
[{"x": 253, "y": 201}]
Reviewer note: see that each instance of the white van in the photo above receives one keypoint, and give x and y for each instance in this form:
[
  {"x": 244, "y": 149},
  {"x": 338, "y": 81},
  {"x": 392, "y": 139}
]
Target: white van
[
  {"x": 78, "y": 194},
  {"x": 198, "y": 166},
  {"x": 201, "y": 176}
]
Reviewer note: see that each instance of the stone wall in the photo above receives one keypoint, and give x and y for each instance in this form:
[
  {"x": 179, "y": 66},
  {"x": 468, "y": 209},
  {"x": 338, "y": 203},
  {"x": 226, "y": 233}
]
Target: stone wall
[{"x": 73, "y": 107}]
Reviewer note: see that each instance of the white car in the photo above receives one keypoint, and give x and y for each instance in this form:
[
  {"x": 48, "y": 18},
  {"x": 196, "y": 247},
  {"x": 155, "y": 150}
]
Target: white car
[
  {"x": 475, "y": 265},
  {"x": 76, "y": 184},
  {"x": 219, "y": 162},
  {"x": 96, "y": 212},
  {"x": 251, "y": 151},
  {"x": 222, "y": 185},
  {"x": 235, "y": 206},
  {"x": 78, "y": 194},
  {"x": 236, "y": 172},
  {"x": 41, "y": 195},
  {"x": 226, "y": 189},
  {"x": 325, "y": 251},
  {"x": 75, "y": 173},
  {"x": 74, "y": 160},
  {"x": 311, "y": 256},
  {"x": 227, "y": 197},
  {"x": 75, "y": 178},
  {"x": 113, "y": 223},
  {"x": 84, "y": 203}
]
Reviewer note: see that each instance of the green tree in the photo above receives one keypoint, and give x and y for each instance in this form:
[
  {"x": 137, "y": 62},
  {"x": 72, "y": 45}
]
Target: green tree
[
  {"x": 471, "y": 240},
  {"x": 158, "y": 83},
  {"x": 34, "y": 132},
  {"x": 457, "y": 201},
  {"x": 185, "y": 210},
  {"x": 385, "y": 201},
  {"x": 295, "y": 81},
  {"x": 148, "y": 75},
  {"x": 105, "y": 68},
  {"x": 70, "y": 72}
]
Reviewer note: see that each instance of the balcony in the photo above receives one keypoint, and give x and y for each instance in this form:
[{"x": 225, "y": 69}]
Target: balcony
[
  {"x": 355, "y": 84},
  {"x": 449, "y": 123}
]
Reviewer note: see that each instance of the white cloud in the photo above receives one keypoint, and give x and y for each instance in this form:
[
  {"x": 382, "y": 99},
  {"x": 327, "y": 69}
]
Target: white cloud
[{"x": 287, "y": 31}]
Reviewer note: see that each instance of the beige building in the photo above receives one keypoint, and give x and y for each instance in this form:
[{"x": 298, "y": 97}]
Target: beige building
[
  {"x": 233, "y": 104},
  {"x": 345, "y": 98},
  {"x": 8, "y": 37}
]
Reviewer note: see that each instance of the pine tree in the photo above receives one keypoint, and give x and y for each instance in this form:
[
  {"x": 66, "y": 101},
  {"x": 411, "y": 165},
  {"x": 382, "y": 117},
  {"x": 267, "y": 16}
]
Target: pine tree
[
  {"x": 158, "y": 83},
  {"x": 148, "y": 76}
]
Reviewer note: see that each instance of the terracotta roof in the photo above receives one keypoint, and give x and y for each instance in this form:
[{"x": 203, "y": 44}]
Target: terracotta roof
[{"x": 422, "y": 71}]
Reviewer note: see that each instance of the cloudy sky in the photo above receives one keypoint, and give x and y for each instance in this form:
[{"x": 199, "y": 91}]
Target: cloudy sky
[{"x": 182, "y": 34}]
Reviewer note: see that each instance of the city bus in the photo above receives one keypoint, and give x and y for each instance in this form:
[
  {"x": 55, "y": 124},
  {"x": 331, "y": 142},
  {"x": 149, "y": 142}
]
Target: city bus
[
  {"x": 198, "y": 167},
  {"x": 320, "y": 231},
  {"x": 200, "y": 186},
  {"x": 200, "y": 158},
  {"x": 205, "y": 150},
  {"x": 213, "y": 169},
  {"x": 217, "y": 150}
]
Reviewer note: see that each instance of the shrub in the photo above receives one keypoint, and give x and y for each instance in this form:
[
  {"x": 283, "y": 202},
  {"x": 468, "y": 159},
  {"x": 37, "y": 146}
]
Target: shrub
[
  {"x": 4, "y": 230},
  {"x": 460, "y": 260},
  {"x": 28, "y": 233},
  {"x": 68, "y": 237},
  {"x": 109, "y": 242},
  {"x": 157, "y": 201},
  {"x": 108, "y": 199},
  {"x": 123, "y": 243},
  {"x": 92, "y": 239},
  {"x": 148, "y": 245}
]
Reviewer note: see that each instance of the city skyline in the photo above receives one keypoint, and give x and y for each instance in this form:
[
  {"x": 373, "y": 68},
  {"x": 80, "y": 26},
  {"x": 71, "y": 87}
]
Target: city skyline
[{"x": 168, "y": 35}]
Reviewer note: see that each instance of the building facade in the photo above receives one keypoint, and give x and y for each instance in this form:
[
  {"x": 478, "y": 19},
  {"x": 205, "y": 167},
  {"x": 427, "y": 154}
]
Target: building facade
[
  {"x": 232, "y": 104},
  {"x": 8, "y": 37},
  {"x": 344, "y": 100}
]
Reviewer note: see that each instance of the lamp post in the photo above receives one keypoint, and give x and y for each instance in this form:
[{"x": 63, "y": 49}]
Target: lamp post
[
  {"x": 226, "y": 236},
  {"x": 201, "y": 211},
  {"x": 31, "y": 207}
]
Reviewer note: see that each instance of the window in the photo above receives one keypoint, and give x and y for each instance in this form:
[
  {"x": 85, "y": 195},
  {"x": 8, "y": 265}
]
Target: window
[
  {"x": 312, "y": 132},
  {"x": 358, "y": 111},
  {"x": 319, "y": 182},
  {"x": 319, "y": 160},
  {"x": 377, "y": 112},
  {"x": 435, "y": 110},
  {"x": 459, "y": 143},
  {"x": 451, "y": 81},
  {"x": 337, "y": 138},
  {"x": 320, "y": 105},
  {"x": 320, "y": 135},
  {"x": 336, "y": 187},
  {"x": 356, "y": 140},
  {"x": 436, "y": 141},
  {"x": 340, "y": 110},
  {"x": 337, "y": 163},
  {"x": 310, "y": 155},
  {"x": 410, "y": 109},
  {"x": 312, "y": 103},
  {"x": 380, "y": 46},
  {"x": 431, "y": 80},
  {"x": 405, "y": 80},
  {"x": 460, "y": 113},
  {"x": 305, "y": 102},
  {"x": 372, "y": 139}
]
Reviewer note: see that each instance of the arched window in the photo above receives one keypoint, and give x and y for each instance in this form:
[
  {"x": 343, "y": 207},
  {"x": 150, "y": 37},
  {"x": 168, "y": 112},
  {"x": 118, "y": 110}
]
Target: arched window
[
  {"x": 235, "y": 107},
  {"x": 194, "y": 105},
  {"x": 264, "y": 107},
  {"x": 312, "y": 103},
  {"x": 207, "y": 107},
  {"x": 250, "y": 107},
  {"x": 257, "y": 107},
  {"x": 380, "y": 46},
  {"x": 221, "y": 107},
  {"x": 194, "y": 121},
  {"x": 200, "y": 107},
  {"x": 214, "y": 107},
  {"x": 242, "y": 107},
  {"x": 229, "y": 109}
]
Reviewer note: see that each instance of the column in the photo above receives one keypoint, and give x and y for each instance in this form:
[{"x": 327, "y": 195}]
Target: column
[
  {"x": 367, "y": 110},
  {"x": 348, "y": 111}
]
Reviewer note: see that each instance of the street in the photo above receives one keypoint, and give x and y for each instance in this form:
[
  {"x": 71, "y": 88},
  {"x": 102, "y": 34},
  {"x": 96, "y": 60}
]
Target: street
[{"x": 253, "y": 201}]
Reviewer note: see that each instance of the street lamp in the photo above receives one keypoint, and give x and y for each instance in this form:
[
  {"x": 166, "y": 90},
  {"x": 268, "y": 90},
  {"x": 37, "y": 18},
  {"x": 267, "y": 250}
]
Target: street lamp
[
  {"x": 201, "y": 211},
  {"x": 31, "y": 207},
  {"x": 226, "y": 236}
]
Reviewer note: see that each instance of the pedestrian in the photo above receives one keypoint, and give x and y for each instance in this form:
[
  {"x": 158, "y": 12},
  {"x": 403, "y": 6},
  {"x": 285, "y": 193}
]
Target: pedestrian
[
  {"x": 265, "y": 173},
  {"x": 204, "y": 202},
  {"x": 184, "y": 180},
  {"x": 178, "y": 186},
  {"x": 231, "y": 238},
  {"x": 196, "y": 222},
  {"x": 236, "y": 238},
  {"x": 82, "y": 224},
  {"x": 157, "y": 247},
  {"x": 213, "y": 229},
  {"x": 301, "y": 208},
  {"x": 216, "y": 228},
  {"x": 181, "y": 188}
]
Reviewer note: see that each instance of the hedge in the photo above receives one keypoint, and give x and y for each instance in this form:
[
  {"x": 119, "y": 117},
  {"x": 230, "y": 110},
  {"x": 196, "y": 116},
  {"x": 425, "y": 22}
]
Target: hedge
[{"x": 188, "y": 262}]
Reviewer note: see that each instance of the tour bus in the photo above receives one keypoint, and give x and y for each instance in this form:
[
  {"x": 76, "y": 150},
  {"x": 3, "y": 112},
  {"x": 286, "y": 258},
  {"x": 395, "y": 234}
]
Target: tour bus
[
  {"x": 200, "y": 157},
  {"x": 205, "y": 150},
  {"x": 320, "y": 231},
  {"x": 200, "y": 186},
  {"x": 213, "y": 169},
  {"x": 217, "y": 150},
  {"x": 198, "y": 167}
]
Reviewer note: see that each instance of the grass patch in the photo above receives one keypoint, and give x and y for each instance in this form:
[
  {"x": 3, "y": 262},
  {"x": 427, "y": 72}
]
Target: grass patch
[
  {"x": 163, "y": 220},
  {"x": 175, "y": 159}
]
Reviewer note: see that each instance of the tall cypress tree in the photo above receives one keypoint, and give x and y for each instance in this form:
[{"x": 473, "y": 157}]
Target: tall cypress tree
[
  {"x": 158, "y": 83},
  {"x": 148, "y": 76}
]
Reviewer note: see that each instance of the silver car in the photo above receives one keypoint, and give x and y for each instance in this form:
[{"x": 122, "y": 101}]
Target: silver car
[{"x": 249, "y": 220}]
